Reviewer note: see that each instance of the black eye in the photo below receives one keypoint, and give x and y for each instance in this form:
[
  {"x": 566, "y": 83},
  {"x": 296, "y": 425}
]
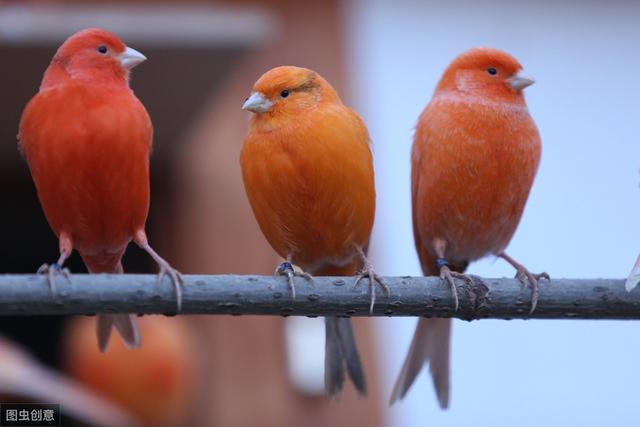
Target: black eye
[
  {"x": 102, "y": 49},
  {"x": 284, "y": 93},
  {"x": 492, "y": 71}
]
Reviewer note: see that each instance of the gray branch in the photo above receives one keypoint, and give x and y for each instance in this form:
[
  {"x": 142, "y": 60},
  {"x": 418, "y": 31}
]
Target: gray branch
[{"x": 267, "y": 295}]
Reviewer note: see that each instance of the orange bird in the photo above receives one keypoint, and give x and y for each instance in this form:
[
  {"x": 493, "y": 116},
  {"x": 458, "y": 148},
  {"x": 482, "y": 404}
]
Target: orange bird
[
  {"x": 475, "y": 155},
  {"x": 308, "y": 172},
  {"x": 87, "y": 140}
]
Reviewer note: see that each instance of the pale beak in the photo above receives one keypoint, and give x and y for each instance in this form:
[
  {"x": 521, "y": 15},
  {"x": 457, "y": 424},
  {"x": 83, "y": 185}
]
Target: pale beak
[
  {"x": 130, "y": 58},
  {"x": 257, "y": 103},
  {"x": 520, "y": 80}
]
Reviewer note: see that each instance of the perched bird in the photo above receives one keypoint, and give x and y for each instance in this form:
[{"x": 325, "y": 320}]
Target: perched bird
[
  {"x": 87, "y": 140},
  {"x": 308, "y": 173},
  {"x": 475, "y": 155}
]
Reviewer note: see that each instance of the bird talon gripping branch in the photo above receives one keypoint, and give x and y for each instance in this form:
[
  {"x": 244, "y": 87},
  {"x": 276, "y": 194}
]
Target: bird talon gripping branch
[
  {"x": 290, "y": 271},
  {"x": 176, "y": 280},
  {"x": 373, "y": 279},
  {"x": 527, "y": 279},
  {"x": 447, "y": 276},
  {"x": 368, "y": 272},
  {"x": 53, "y": 270}
]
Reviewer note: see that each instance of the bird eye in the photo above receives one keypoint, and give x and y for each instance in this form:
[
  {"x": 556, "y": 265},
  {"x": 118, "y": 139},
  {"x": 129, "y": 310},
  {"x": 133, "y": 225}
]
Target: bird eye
[
  {"x": 492, "y": 71},
  {"x": 102, "y": 49},
  {"x": 284, "y": 93}
]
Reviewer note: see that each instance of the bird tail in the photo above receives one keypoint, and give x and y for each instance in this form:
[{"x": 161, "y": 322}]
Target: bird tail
[
  {"x": 431, "y": 343},
  {"x": 125, "y": 324},
  {"x": 341, "y": 352}
]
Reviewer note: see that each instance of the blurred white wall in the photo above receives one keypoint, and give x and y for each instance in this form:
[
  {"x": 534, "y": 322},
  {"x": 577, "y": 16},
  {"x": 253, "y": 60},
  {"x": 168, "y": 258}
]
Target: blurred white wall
[{"x": 581, "y": 220}]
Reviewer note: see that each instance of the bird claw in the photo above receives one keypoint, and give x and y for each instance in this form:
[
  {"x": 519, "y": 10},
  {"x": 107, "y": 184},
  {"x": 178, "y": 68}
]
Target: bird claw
[
  {"x": 373, "y": 277},
  {"x": 527, "y": 279},
  {"x": 447, "y": 275},
  {"x": 52, "y": 270},
  {"x": 176, "y": 280},
  {"x": 290, "y": 271}
]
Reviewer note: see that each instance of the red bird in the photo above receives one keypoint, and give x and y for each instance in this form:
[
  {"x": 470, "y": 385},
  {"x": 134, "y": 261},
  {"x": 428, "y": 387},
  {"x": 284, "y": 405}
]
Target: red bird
[
  {"x": 475, "y": 154},
  {"x": 87, "y": 140},
  {"x": 308, "y": 173}
]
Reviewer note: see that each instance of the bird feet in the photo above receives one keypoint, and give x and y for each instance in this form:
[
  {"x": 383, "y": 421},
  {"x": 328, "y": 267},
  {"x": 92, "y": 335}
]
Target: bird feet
[
  {"x": 447, "y": 275},
  {"x": 176, "y": 280},
  {"x": 290, "y": 271},
  {"x": 527, "y": 279},
  {"x": 53, "y": 270},
  {"x": 368, "y": 272},
  {"x": 174, "y": 275}
]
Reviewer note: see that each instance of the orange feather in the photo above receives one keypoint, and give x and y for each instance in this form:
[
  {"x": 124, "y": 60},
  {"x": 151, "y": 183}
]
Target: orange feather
[
  {"x": 308, "y": 173},
  {"x": 475, "y": 155}
]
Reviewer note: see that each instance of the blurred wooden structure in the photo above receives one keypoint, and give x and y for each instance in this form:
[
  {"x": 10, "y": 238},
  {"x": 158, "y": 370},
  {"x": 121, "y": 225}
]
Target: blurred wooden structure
[{"x": 200, "y": 218}]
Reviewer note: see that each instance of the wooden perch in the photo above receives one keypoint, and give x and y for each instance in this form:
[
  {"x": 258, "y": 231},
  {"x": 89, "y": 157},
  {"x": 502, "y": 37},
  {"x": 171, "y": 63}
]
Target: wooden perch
[{"x": 268, "y": 295}]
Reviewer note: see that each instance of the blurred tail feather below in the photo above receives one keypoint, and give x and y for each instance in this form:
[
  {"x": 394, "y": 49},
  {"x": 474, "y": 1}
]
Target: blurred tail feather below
[{"x": 431, "y": 344}]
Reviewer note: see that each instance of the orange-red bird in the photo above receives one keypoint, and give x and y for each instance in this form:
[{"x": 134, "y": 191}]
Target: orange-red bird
[
  {"x": 87, "y": 140},
  {"x": 308, "y": 173},
  {"x": 475, "y": 155}
]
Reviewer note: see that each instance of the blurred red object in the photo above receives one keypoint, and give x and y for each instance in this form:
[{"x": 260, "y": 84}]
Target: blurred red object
[
  {"x": 22, "y": 376},
  {"x": 155, "y": 382}
]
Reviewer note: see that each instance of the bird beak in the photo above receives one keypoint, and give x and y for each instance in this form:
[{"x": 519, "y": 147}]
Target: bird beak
[
  {"x": 519, "y": 81},
  {"x": 257, "y": 103},
  {"x": 130, "y": 58}
]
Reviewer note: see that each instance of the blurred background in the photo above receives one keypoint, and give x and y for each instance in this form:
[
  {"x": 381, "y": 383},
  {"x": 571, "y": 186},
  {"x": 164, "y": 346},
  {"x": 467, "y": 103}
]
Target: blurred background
[{"x": 384, "y": 58}]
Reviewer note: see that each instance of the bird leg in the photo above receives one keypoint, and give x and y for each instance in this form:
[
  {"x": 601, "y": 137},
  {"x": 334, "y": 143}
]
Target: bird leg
[
  {"x": 368, "y": 272},
  {"x": 52, "y": 270},
  {"x": 174, "y": 275},
  {"x": 291, "y": 270},
  {"x": 447, "y": 275},
  {"x": 527, "y": 278}
]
